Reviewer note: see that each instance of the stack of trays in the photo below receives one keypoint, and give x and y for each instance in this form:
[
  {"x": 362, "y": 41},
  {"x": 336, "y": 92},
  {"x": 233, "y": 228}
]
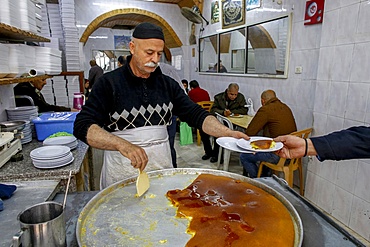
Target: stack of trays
[
  {"x": 69, "y": 141},
  {"x": 27, "y": 16},
  {"x": 49, "y": 157},
  {"x": 9, "y": 13},
  {"x": 4, "y": 61},
  {"x": 71, "y": 42},
  {"x": 26, "y": 113},
  {"x": 21, "y": 57},
  {"x": 49, "y": 60}
]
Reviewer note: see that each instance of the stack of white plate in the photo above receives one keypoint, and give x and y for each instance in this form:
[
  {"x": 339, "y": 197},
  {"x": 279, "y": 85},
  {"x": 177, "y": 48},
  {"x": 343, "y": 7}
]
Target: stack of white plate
[
  {"x": 26, "y": 113},
  {"x": 69, "y": 141},
  {"x": 27, "y": 133},
  {"x": 48, "y": 157}
]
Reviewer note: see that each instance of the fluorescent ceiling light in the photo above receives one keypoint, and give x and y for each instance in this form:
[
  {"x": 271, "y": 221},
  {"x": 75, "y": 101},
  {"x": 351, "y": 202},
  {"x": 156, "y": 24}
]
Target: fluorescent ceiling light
[{"x": 98, "y": 37}]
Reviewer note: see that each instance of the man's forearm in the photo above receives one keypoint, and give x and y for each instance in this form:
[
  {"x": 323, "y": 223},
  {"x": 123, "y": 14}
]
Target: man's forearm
[
  {"x": 102, "y": 139},
  {"x": 213, "y": 127}
]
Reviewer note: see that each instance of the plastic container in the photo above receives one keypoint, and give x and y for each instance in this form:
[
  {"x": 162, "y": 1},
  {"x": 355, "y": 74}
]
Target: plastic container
[{"x": 49, "y": 123}]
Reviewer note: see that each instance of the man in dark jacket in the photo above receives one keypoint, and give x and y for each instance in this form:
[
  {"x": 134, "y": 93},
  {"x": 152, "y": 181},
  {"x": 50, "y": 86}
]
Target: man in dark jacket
[
  {"x": 225, "y": 103},
  {"x": 94, "y": 73},
  {"x": 33, "y": 89},
  {"x": 274, "y": 118},
  {"x": 230, "y": 101}
]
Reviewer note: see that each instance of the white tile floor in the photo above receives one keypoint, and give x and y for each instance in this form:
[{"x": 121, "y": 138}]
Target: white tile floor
[{"x": 190, "y": 156}]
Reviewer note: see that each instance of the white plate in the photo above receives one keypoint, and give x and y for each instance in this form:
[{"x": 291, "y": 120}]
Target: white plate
[
  {"x": 50, "y": 152},
  {"x": 59, "y": 140},
  {"x": 242, "y": 143},
  {"x": 230, "y": 144},
  {"x": 57, "y": 160},
  {"x": 236, "y": 116},
  {"x": 51, "y": 166},
  {"x": 22, "y": 108}
]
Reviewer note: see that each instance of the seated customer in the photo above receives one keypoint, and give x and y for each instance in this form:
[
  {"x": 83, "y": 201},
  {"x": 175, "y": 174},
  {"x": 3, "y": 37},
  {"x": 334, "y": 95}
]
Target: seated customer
[
  {"x": 121, "y": 61},
  {"x": 274, "y": 118},
  {"x": 33, "y": 89},
  {"x": 197, "y": 94},
  {"x": 185, "y": 83},
  {"x": 225, "y": 103}
]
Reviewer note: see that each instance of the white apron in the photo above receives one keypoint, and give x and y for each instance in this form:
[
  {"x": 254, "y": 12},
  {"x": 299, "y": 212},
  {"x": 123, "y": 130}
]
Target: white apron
[{"x": 153, "y": 139}]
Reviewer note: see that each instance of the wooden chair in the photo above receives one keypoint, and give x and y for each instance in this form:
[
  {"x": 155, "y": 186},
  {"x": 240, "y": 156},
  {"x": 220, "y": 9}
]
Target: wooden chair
[
  {"x": 207, "y": 105},
  {"x": 288, "y": 169}
]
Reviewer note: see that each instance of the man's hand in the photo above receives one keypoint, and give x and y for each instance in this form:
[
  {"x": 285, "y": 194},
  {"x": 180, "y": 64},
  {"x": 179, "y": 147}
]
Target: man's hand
[
  {"x": 227, "y": 112},
  {"x": 294, "y": 147},
  {"x": 136, "y": 154}
]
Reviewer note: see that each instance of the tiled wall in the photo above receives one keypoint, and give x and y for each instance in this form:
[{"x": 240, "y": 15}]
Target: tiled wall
[
  {"x": 332, "y": 93},
  {"x": 342, "y": 100}
]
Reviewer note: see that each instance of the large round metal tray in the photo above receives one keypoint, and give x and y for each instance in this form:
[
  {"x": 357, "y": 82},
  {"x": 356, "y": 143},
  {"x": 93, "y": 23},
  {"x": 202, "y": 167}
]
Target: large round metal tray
[{"x": 115, "y": 217}]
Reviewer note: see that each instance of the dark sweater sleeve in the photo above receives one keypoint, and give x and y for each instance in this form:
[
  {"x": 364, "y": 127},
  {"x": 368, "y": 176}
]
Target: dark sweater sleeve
[
  {"x": 352, "y": 143},
  {"x": 96, "y": 109}
]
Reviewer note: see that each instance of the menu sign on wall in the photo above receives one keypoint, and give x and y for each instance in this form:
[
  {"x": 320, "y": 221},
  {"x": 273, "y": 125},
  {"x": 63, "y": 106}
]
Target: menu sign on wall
[{"x": 314, "y": 12}]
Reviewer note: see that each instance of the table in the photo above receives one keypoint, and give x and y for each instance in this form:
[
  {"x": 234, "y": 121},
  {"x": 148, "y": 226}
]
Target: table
[{"x": 242, "y": 122}]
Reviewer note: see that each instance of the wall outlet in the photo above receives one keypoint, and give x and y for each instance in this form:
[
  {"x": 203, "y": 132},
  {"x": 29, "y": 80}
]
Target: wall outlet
[{"x": 298, "y": 70}]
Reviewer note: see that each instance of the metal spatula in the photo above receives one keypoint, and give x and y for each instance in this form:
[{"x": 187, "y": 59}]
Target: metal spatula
[{"x": 142, "y": 183}]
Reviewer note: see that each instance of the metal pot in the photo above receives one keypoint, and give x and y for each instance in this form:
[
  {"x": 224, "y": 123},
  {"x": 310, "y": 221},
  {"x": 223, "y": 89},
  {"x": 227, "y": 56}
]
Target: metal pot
[
  {"x": 115, "y": 215},
  {"x": 42, "y": 225},
  {"x": 10, "y": 126}
]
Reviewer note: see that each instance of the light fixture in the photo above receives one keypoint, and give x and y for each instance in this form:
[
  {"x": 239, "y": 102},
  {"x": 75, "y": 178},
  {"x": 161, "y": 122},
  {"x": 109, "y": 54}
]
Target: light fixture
[{"x": 193, "y": 14}]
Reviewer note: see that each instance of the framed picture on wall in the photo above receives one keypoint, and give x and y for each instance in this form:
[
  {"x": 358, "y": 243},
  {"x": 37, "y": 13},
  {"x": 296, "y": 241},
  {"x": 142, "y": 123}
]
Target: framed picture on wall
[
  {"x": 253, "y": 4},
  {"x": 233, "y": 13},
  {"x": 122, "y": 42},
  {"x": 215, "y": 11}
]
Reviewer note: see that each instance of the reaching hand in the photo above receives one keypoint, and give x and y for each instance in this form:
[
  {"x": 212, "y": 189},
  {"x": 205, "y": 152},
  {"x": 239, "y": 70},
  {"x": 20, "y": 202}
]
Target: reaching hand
[
  {"x": 239, "y": 134},
  {"x": 294, "y": 147}
]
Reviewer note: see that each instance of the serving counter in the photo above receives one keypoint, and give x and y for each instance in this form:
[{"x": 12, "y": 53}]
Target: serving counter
[{"x": 24, "y": 170}]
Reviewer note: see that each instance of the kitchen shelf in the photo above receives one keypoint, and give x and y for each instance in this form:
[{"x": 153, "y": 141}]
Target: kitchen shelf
[
  {"x": 12, "y": 33},
  {"x": 6, "y": 81}
]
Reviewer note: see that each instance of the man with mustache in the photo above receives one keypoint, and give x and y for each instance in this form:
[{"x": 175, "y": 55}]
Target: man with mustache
[{"x": 128, "y": 111}]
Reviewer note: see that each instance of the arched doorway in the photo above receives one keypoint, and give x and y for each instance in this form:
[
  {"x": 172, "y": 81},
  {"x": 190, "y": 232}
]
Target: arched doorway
[{"x": 129, "y": 18}]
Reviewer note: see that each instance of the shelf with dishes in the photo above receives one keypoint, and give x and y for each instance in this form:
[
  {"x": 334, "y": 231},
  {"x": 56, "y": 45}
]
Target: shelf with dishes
[
  {"x": 8, "y": 32},
  {"x": 6, "y": 81}
]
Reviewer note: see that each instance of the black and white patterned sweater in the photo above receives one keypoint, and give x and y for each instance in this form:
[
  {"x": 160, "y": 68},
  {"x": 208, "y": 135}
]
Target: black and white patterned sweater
[{"x": 119, "y": 100}]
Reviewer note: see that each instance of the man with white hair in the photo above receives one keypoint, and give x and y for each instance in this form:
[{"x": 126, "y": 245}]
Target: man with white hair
[{"x": 130, "y": 107}]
